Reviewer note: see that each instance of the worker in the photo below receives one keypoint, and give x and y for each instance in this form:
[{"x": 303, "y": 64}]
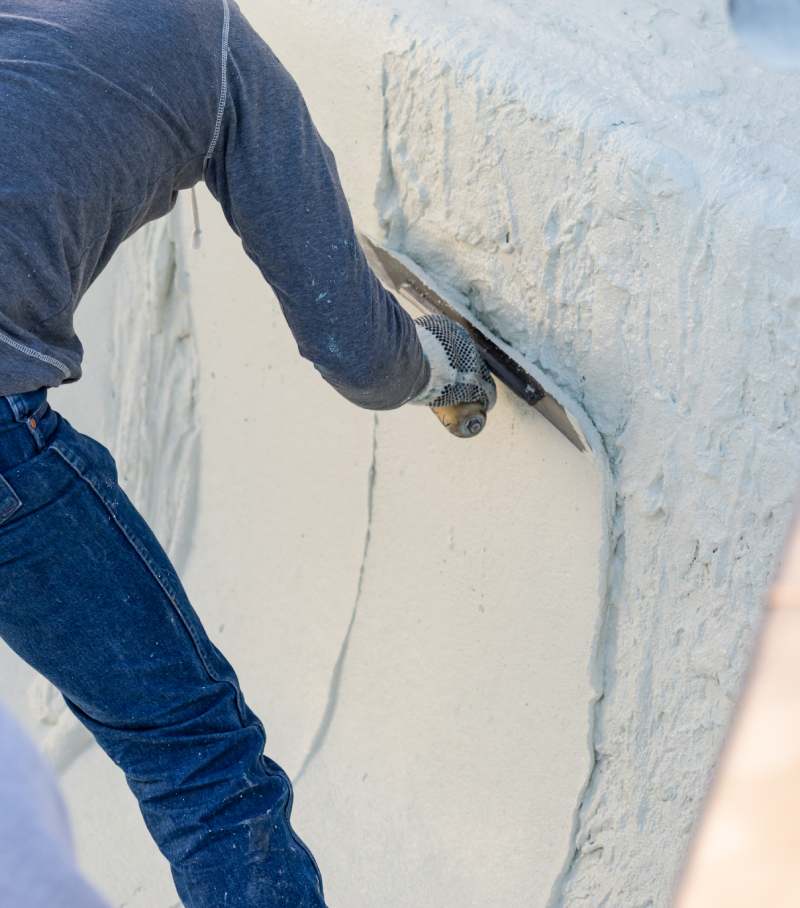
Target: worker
[{"x": 109, "y": 110}]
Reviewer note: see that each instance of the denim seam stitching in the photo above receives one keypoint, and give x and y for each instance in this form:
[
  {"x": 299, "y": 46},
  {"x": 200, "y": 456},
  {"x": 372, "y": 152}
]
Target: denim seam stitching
[
  {"x": 23, "y": 348},
  {"x": 223, "y": 91}
]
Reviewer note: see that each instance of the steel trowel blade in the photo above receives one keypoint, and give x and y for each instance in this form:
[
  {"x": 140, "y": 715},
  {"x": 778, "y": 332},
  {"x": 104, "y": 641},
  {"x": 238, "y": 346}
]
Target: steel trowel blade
[{"x": 408, "y": 281}]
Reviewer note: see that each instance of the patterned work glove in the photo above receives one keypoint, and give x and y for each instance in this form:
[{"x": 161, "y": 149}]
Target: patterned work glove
[{"x": 459, "y": 376}]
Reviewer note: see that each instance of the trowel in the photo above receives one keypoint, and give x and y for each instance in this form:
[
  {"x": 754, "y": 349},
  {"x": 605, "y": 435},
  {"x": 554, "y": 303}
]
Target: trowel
[{"x": 407, "y": 281}]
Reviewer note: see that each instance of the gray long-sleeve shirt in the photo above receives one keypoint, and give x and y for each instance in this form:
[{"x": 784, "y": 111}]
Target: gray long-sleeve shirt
[{"x": 108, "y": 110}]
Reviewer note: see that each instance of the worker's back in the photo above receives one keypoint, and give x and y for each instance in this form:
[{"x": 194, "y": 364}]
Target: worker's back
[{"x": 108, "y": 110}]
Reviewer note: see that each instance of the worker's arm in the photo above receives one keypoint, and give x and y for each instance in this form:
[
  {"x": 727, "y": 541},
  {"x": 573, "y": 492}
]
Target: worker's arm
[{"x": 277, "y": 182}]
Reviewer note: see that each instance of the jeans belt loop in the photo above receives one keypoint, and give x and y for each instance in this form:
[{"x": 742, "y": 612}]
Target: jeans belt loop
[{"x": 32, "y": 422}]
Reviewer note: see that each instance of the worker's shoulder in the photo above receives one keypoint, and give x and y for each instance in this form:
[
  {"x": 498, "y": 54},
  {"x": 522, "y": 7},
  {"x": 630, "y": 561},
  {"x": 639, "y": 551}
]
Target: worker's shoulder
[
  {"x": 167, "y": 23},
  {"x": 147, "y": 30},
  {"x": 167, "y": 46}
]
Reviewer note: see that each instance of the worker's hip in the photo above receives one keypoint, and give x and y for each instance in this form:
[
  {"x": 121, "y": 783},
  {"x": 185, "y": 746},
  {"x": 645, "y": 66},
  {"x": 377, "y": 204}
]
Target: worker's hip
[
  {"x": 67, "y": 528},
  {"x": 27, "y": 424}
]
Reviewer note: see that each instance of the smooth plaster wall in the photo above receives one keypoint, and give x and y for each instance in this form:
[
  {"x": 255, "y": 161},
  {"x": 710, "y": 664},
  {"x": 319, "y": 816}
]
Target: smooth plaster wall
[
  {"x": 614, "y": 187},
  {"x": 423, "y": 636}
]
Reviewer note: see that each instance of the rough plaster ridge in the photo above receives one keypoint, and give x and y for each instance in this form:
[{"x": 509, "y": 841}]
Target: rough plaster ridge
[
  {"x": 155, "y": 425},
  {"x": 318, "y": 741},
  {"x": 648, "y": 68},
  {"x": 614, "y": 558},
  {"x": 636, "y": 234}
]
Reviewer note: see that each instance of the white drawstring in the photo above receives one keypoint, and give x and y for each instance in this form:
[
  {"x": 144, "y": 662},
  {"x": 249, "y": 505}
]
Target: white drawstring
[{"x": 198, "y": 232}]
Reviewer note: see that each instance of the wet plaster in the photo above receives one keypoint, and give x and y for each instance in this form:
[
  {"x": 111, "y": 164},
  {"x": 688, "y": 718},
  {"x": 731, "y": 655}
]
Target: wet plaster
[
  {"x": 615, "y": 192},
  {"x": 637, "y": 237},
  {"x": 615, "y": 197}
]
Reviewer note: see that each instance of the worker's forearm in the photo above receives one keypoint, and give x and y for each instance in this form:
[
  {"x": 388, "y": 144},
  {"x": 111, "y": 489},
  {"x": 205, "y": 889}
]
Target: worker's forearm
[
  {"x": 381, "y": 368},
  {"x": 278, "y": 185}
]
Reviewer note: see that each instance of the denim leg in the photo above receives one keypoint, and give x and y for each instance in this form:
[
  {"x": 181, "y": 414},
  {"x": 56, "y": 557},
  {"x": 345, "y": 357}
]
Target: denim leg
[{"x": 89, "y": 598}]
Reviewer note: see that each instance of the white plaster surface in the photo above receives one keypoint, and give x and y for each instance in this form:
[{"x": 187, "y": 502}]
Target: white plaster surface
[
  {"x": 412, "y": 614},
  {"x": 614, "y": 187}
]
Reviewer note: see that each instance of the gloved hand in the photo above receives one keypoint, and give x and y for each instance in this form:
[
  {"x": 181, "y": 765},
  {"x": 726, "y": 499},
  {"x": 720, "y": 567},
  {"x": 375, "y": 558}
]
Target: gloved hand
[{"x": 461, "y": 389}]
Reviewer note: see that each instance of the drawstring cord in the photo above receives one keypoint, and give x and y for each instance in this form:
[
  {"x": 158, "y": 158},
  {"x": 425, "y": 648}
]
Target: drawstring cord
[{"x": 198, "y": 231}]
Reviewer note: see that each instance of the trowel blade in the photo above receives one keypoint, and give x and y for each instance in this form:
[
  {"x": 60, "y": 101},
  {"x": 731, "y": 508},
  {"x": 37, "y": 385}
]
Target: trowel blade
[
  {"x": 407, "y": 280},
  {"x": 770, "y": 29}
]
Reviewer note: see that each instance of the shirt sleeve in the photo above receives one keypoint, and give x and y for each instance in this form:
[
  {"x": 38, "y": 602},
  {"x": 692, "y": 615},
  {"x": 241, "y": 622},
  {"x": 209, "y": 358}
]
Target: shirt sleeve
[{"x": 279, "y": 188}]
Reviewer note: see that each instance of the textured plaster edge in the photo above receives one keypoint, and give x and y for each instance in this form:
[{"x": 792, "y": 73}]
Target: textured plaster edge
[
  {"x": 612, "y": 561},
  {"x": 155, "y": 418}
]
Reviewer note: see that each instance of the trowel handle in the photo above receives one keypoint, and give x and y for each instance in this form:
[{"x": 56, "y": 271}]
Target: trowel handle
[{"x": 462, "y": 420}]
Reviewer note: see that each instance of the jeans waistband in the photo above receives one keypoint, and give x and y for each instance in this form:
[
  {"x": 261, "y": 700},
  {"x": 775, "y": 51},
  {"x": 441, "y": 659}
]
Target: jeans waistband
[
  {"x": 18, "y": 407},
  {"x": 26, "y": 424}
]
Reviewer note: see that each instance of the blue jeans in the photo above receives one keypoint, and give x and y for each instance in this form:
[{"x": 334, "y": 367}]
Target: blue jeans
[{"x": 90, "y": 599}]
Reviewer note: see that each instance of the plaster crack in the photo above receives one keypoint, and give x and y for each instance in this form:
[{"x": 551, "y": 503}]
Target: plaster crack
[{"x": 329, "y": 714}]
